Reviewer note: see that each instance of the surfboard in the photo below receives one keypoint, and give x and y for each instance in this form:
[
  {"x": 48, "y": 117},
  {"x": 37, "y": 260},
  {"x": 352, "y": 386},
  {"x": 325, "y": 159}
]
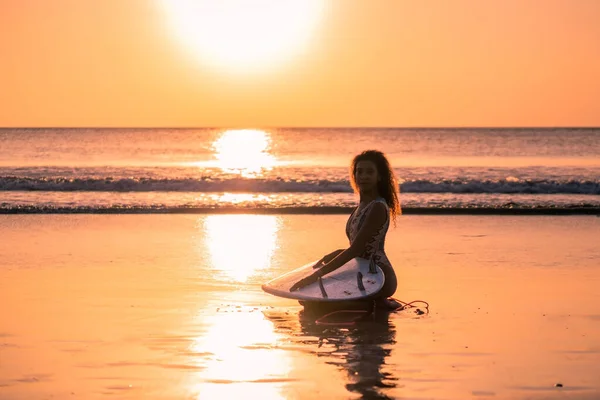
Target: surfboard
[{"x": 355, "y": 280}]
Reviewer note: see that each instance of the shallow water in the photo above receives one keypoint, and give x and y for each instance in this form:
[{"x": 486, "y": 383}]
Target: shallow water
[{"x": 170, "y": 306}]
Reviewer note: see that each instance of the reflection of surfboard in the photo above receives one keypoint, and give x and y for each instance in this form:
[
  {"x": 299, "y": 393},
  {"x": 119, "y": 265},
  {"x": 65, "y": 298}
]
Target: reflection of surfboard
[{"x": 352, "y": 281}]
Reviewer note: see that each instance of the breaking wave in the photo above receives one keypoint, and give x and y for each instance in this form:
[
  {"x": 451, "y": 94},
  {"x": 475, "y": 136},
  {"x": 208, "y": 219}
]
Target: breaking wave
[{"x": 280, "y": 185}]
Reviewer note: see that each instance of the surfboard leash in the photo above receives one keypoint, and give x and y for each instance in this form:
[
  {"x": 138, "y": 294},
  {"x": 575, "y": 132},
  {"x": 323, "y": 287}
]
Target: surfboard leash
[{"x": 410, "y": 304}]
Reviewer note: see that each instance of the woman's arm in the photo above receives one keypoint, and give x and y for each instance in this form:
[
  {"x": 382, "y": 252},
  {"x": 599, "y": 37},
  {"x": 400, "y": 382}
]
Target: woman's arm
[
  {"x": 327, "y": 258},
  {"x": 332, "y": 255},
  {"x": 376, "y": 218}
]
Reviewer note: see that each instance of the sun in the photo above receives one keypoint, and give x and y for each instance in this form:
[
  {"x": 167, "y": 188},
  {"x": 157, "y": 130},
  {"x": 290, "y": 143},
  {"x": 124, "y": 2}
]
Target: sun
[{"x": 243, "y": 35}]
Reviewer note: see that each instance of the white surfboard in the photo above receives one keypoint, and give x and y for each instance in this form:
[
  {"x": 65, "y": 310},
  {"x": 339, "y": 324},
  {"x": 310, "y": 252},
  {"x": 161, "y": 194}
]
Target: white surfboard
[{"x": 352, "y": 281}]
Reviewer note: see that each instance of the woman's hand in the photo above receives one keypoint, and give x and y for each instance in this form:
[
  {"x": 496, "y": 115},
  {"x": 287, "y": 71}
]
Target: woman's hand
[{"x": 303, "y": 282}]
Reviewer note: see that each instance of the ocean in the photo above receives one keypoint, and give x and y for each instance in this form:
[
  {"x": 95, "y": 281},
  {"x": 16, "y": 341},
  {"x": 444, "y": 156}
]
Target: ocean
[
  {"x": 166, "y": 301},
  {"x": 457, "y": 170}
]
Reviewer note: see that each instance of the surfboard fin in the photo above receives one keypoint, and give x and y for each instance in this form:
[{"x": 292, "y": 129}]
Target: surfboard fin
[
  {"x": 359, "y": 281},
  {"x": 372, "y": 267},
  {"x": 323, "y": 292}
]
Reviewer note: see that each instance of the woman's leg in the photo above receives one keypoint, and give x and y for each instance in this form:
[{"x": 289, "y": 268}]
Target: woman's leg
[
  {"x": 391, "y": 282},
  {"x": 383, "y": 299}
]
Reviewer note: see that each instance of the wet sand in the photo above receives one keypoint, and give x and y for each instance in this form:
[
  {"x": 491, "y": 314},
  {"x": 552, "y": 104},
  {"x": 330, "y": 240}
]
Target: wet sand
[{"x": 170, "y": 307}]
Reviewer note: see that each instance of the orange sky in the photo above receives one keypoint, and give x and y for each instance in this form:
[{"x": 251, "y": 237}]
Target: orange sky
[{"x": 370, "y": 63}]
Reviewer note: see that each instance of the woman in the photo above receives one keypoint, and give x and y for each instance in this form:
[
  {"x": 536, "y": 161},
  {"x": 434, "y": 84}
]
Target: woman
[{"x": 373, "y": 178}]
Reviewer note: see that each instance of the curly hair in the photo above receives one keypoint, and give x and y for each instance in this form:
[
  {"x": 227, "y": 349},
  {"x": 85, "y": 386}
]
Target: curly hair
[{"x": 388, "y": 186}]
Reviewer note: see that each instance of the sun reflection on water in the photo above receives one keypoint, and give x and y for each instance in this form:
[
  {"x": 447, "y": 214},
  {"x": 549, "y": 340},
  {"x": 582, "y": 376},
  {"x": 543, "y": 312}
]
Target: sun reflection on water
[
  {"x": 241, "y": 245},
  {"x": 242, "y": 198},
  {"x": 244, "y": 361},
  {"x": 244, "y": 152},
  {"x": 240, "y": 346}
]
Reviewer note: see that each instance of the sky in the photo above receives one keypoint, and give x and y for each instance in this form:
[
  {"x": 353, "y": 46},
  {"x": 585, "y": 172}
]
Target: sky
[{"x": 392, "y": 63}]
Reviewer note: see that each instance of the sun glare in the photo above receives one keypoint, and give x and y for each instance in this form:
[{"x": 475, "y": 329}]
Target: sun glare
[
  {"x": 241, "y": 245},
  {"x": 244, "y": 348},
  {"x": 245, "y": 152},
  {"x": 243, "y": 34}
]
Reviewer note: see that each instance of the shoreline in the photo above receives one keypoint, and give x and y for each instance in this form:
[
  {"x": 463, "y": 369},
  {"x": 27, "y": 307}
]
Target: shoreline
[{"x": 327, "y": 210}]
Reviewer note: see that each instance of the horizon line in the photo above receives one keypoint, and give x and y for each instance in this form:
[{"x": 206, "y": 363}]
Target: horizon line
[{"x": 309, "y": 127}]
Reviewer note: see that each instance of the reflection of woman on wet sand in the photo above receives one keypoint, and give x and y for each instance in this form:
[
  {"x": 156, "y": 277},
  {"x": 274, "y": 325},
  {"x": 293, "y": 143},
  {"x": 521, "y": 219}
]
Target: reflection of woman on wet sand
[{"x": 362, "y": 351}]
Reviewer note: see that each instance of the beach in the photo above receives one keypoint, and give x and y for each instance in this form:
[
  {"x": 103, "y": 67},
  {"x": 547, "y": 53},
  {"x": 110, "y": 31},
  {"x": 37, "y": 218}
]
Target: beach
[
  {"x": 162, "y": 162},
  {"x": 170, "y": 306}
]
